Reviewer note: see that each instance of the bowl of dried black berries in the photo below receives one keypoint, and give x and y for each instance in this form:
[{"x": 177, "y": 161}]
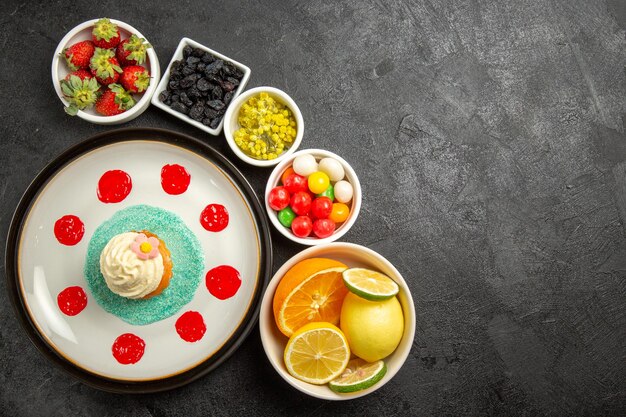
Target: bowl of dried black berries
[{"x": 199, "y": 84}]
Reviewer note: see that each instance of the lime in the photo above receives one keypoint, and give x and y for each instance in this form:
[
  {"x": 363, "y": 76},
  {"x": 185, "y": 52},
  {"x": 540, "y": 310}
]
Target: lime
[
  {"x": 358, "y": 376},
  {"x": 369, "y": 284}
]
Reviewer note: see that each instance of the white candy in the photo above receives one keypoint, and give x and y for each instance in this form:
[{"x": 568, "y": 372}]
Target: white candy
[
  {"x": 343, "y": 191},
  {"x": 332, "y": 168},
  {"x": 305, "y": 165}
]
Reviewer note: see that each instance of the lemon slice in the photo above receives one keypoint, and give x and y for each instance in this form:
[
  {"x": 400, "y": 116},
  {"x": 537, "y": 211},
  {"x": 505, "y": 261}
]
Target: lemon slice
[
  {"x": 358, "y": 376},
  {"x": 369, "y": 284},
  {"x": 317, "y": 353}
]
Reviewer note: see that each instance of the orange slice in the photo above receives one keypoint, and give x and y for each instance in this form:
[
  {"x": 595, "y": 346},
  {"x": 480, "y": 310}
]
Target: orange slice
[{"x": 312, "y": 290}]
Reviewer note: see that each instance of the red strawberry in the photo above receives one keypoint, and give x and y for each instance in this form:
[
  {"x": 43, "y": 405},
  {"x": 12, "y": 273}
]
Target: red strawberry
[
  {"x": 83, "y": 74},
  {"x": 80, "y": 93},
  {"x": 105, "y": 34},
  {"x": 114, "y": 101},
  {"x": 104, "y": 66},
  {"x": 132, "y": 51},
  {"x": 78, "y": 55},
  {"x": 135, "y": 78}
]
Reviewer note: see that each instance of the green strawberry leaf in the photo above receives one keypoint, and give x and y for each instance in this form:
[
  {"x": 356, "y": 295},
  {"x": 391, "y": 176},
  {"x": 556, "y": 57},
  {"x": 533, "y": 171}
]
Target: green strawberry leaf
[{"x": 72, "y": 110}]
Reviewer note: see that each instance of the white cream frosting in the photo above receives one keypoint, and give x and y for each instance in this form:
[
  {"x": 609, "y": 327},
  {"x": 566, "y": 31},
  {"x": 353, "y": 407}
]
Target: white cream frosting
[{"x": 125, "y": 274}]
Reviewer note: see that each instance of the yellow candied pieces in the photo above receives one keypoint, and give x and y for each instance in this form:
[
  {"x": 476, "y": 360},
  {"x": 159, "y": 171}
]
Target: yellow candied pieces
[{"x": 267, "y": 127}]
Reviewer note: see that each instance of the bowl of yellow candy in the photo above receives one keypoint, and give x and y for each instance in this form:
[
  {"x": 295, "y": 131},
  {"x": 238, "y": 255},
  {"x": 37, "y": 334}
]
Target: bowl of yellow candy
[{"x": 263, "y": 126}]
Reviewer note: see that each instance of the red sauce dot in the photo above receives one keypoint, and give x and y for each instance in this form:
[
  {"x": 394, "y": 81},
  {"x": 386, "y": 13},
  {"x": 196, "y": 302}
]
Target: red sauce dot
[
  {"x": 223, "y": 281},
  {"x": 175, "y": 179},
  {"x": 72, "y": 300},
  {"x": 190, "y": 326},
  {"x": 114, "y": 186},
  {"x": 214, "y": 218},
  {"x": 128, "y": 348},
  {"x": 69, "y": 230}
]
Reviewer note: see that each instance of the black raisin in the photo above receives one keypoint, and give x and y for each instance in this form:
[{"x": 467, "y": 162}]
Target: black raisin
[
  {"x": 238, "y": 73},
  {"x": 200, "y": 67},
  {"x": 203, "y": 84},
  {"x": 188, "y": 70},
  {"x": 215, "y": 122},
  {"x": 216, "y": 104},
  {"x": 207, "y": 58},
  {"x": 185, "y": 99},
  {"x": 214, "y": 78},
  {"x": 176, "y": 65},
  {"x": 214, "y": 67},
  {"x": 206, "y": 121},
  {"x": 193, "y": 93},
  {"x": 228, "y": 97},
  {"x": 227, "y": 86},
  {"x": 173, "y": 84},
  {"x": 210, "y": 113},
  {"x": 165, "y": 95},
  {"x": 197, "y": 52},
  {"x": 175, "y": 98},
  {"x": 188, "y": 81},
  {"x": 192, "y": 60},
  {"x": 187, "y": 50},
  {"x": 217, "y": 93},
  {"x": 228, "y": 69},
  {"x": 233, "y": 81},
  {"x": 197, "y": 112},
  {"x": 179, "y": 107}
]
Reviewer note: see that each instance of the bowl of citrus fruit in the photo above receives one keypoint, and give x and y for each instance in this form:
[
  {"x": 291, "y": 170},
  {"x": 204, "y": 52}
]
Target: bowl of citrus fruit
[{"x": 337, "y": 321}]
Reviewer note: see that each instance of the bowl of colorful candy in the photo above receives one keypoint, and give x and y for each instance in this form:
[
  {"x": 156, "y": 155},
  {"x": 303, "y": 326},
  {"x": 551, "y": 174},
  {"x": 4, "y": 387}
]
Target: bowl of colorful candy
[
  {"x": 263, "y": 126},
  {"x": 313, "y": 197}
]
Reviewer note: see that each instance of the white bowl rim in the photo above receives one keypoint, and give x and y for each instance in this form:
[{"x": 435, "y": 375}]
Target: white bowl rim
[
  {"x": 403, "y": 349},
  {"x": 155, "y": 73},
  {"x": 354, "y": 212},
  {"x": 288, "y": 101},
  {"x": 166, "y": 77}
]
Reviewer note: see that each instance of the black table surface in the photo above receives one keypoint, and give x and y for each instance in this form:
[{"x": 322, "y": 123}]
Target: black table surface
[{"x": 489, "y": 140}]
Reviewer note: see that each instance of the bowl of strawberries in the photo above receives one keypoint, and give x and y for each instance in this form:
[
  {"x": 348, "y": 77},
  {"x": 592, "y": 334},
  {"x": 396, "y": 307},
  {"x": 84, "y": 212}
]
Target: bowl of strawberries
[{"x": 105, "y": 71}]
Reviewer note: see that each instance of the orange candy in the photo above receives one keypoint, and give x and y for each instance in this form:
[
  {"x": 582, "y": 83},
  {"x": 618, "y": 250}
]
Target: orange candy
[
  {"x": 339, "y": 213},
  {"x": 287, "y": 173}
]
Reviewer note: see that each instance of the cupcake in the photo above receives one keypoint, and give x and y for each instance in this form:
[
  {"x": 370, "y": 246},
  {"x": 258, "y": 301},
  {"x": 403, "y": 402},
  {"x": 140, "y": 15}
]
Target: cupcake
[{"x": 136, "y": 265}]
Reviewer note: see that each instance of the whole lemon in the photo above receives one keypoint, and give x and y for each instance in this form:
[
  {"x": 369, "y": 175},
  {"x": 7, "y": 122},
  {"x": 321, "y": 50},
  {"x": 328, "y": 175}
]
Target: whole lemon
[{"x": 373, "y": 328}]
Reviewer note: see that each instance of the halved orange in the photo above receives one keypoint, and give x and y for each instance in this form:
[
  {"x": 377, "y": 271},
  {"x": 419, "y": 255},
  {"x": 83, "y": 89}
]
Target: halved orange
[{"x": 312, "y": 290}]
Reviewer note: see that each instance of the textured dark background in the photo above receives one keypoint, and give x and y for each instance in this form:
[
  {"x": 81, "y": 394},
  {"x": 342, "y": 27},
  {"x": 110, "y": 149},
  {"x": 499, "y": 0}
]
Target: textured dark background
[{"x": 489, "y": 139}]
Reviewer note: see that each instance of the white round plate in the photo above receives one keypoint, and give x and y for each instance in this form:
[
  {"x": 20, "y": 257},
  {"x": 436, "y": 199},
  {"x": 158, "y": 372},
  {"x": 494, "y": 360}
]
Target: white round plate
[{"x": 39, "y": 267}]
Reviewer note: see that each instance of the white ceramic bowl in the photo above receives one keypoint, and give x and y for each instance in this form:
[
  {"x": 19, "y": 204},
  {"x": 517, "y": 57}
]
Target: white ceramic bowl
[
  {"x": 350, "y": 176},
  {"x": 60, "y": 70},
  {"x": 231, "y": 124},
  {"x": 353, "y": 255},
  {"x": 178, "y": 55}
]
